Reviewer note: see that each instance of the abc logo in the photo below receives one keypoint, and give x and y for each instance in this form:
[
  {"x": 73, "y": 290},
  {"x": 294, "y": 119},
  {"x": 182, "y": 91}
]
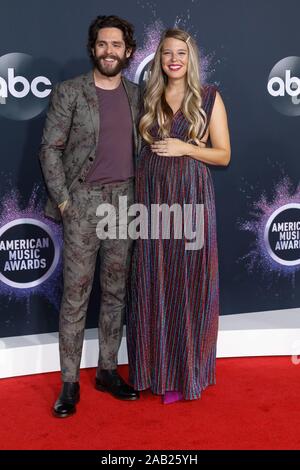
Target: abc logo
[
  {"x": 291, "y": 86},
  {"x": 284, "y": 86},
  {"x": 13, "y": 81},
  {"x": 23, "y": 89},
  {"x": 142, "y": 73}
]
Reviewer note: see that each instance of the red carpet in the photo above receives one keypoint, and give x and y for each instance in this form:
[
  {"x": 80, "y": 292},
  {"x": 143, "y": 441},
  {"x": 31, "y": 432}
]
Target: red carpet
[{"x": 255, "y": 405}]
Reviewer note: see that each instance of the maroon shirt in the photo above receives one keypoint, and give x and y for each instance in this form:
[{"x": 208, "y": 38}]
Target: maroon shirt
[{"x": 114, "y": 153}]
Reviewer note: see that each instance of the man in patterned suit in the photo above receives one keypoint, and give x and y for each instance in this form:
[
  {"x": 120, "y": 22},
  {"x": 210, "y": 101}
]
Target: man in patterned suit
[{"x": 87, "y": 157}]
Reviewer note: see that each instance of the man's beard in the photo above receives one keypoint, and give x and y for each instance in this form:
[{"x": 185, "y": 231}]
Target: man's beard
[{"x": 107, "y": 70}]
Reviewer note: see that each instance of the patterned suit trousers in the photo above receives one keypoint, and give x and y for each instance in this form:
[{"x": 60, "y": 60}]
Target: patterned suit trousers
[{"x": 81, "y": 246}]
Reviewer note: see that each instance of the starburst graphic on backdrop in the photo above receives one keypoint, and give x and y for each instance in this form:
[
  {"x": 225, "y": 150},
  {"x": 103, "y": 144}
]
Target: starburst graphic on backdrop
[
  {"x": 11, "y": 211},
  {"x": 258, "y": 256},
  {"x": 152, "y": 34}
]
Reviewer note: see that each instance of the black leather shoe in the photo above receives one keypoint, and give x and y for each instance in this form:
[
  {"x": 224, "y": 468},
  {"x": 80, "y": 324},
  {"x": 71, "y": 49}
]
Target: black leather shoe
[
  {"x": 65, "y": 404},
  {"x": 110, "y": 381}
]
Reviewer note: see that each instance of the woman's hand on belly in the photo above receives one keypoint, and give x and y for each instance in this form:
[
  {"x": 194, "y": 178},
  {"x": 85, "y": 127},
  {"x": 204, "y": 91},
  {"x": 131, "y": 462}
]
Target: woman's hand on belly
[{"x": 170, "y": 147}]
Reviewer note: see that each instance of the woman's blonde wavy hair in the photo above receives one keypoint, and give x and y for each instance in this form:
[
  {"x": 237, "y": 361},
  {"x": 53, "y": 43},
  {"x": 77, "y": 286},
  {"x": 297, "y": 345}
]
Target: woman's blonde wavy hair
[{"x": 156, "y": 108}]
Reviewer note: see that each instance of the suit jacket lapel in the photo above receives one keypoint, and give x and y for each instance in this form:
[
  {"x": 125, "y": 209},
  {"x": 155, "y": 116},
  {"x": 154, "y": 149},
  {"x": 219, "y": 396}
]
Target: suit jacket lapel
[
  {"x": 133, "y": 109},
  {"x": 92, "y": 100}
]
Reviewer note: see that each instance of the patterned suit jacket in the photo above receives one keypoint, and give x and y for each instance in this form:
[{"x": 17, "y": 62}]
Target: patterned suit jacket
[{"x": 71, "y": 133}]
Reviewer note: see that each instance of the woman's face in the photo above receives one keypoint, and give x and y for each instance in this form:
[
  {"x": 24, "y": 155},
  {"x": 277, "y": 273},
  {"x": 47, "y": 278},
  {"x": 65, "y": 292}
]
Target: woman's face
[{"x": 174, "y": 58}]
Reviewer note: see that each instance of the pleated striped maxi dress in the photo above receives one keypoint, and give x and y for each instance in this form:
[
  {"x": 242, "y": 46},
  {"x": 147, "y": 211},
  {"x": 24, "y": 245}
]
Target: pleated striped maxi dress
[{"x": 172, "y": 313}]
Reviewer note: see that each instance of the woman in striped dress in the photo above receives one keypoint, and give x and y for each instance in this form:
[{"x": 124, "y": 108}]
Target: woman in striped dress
[{"x": 173, "y": 310}]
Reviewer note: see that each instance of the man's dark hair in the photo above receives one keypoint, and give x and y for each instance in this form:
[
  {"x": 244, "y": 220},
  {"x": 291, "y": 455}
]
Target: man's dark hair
[{"x": 111, "y": 21}]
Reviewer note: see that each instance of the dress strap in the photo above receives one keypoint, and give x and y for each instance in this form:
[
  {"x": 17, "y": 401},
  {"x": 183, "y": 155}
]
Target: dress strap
[{"x": 208, "y": 100}]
